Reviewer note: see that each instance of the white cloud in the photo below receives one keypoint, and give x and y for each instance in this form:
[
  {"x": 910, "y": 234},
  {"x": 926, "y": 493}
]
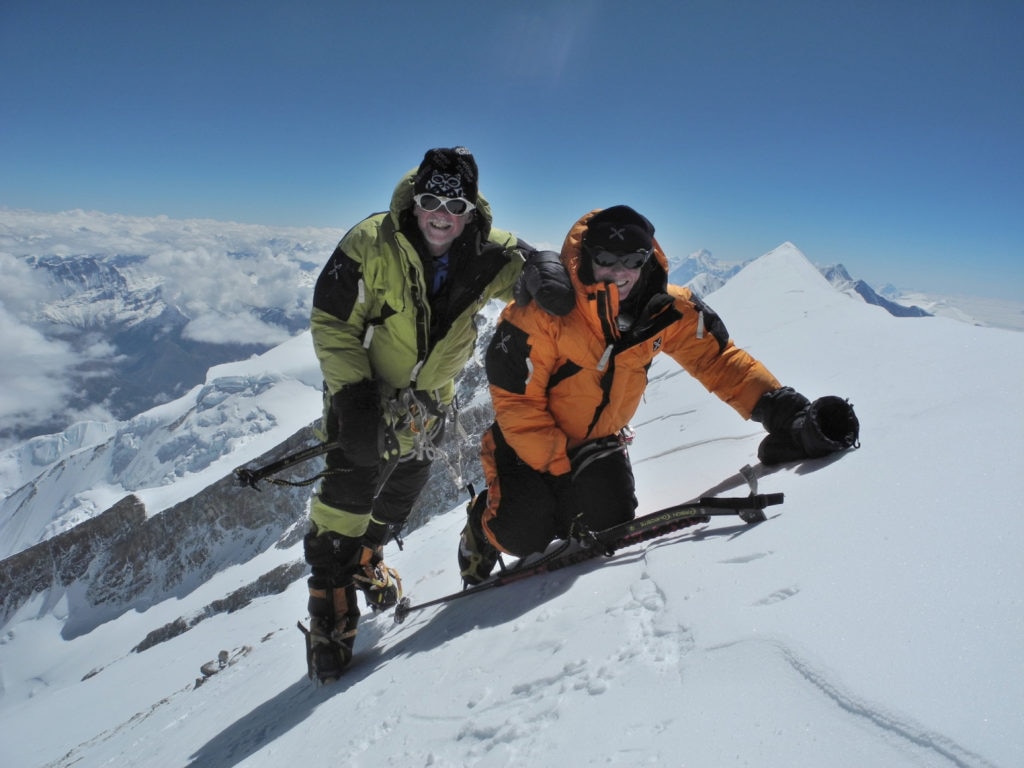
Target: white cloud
[
  {"x": 23, "y": 289},
  {"x": 189, "y": 257},
  {"x": 237, "y": 328},
  {"x": 201, "y": 279},
  {"x": 33, "y": 379}
]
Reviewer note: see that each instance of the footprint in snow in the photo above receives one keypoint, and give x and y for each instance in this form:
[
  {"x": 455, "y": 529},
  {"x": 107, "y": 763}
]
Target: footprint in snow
[
  {"x": 745, "y": 558},
  {"x": 778, "y": 596}
]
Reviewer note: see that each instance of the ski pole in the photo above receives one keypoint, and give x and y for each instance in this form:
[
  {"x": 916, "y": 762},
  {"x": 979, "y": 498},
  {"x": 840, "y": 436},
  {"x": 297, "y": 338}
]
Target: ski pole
[
  {"x": 749, "y": 508},
  {"x": 250, "y": 477}
]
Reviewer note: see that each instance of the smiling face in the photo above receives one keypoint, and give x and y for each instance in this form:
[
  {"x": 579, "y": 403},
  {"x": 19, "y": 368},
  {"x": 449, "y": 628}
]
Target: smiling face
[
  {"x": 622, "y": 276},
  {"x": 440, "y": 228}
]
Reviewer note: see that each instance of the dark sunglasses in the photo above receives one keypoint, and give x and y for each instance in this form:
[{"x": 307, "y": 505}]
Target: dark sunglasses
[
  {"x": 632, "y": 260},
  {"x": 456, "y": 206}
]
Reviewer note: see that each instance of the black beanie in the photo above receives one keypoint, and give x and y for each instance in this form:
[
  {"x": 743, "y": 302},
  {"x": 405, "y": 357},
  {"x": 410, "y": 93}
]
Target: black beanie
[
  {"x": 447, "y": 173},
  {"x": 619, "y": 229}
]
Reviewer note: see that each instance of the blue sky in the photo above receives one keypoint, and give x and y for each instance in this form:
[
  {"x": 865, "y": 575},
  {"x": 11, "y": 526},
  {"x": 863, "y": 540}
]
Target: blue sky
[{"x": 888, "y": 136}]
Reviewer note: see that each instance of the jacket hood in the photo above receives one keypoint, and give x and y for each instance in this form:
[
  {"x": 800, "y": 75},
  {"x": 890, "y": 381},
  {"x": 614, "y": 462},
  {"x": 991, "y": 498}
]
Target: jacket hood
[{"x": 653, "y": 276}]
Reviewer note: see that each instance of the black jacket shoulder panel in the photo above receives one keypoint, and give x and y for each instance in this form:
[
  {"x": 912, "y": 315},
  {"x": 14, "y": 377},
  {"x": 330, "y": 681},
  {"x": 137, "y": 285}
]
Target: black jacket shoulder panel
[
  {"x": 337, "y": 287},
  {"x": 507, "y": 358}
]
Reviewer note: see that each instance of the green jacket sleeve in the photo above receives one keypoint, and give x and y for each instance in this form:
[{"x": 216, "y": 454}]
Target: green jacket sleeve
[{"x": 338, "y": 319}]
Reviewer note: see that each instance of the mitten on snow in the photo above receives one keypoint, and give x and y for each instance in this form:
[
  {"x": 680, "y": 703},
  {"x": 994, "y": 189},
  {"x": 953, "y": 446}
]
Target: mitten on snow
[
  {"x": 800, "y": 429},
  {"x": 545, "y": 279},
  {"x": 357, "y": 407}
]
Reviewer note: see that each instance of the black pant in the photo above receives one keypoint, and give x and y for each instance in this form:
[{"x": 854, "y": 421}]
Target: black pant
[
  {"x": 351, "y": 488},
  {"x": 536, "y": 508}
]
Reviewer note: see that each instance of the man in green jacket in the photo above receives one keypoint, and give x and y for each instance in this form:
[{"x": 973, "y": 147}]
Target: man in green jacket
[{"x": 393, "y": 325}]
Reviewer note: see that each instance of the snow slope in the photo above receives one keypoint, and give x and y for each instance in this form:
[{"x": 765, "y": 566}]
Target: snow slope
[{"x": 875, "y": 619}]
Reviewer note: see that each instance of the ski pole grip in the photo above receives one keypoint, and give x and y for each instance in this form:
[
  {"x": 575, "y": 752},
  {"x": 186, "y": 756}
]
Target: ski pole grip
[
  {"x": 247, "y": 478},
  {"x": 756, "y": 501}
]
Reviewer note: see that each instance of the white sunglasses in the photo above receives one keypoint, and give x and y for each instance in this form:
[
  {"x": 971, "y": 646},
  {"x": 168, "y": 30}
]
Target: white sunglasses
[{"x": 457, "y": 206}]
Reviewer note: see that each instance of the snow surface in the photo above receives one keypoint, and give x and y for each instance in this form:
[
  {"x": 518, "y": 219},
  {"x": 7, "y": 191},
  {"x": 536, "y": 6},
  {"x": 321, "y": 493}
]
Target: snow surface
[{"x": 874, "y": 620}]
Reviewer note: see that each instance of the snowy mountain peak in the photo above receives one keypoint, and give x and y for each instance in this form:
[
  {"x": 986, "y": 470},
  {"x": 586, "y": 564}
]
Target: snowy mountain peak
[
  {"x": 837, "y": 275},
  {"x": 786, "y": 247},
  {"x": 701, "y": 272},
  {"x": 783, "y": 270},
  {"x": 701, "y": 260}
]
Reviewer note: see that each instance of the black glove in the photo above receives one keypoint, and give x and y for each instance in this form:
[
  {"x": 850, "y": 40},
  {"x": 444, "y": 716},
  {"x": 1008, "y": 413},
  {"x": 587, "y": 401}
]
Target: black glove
[
  {"x": 799, "y": 429},
  {"x": 545, "y": 279},
  {"x": 357, "y": 407}
]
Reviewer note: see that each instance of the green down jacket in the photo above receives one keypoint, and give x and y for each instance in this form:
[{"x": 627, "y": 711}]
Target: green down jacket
[{"x": 371, "y": 318}]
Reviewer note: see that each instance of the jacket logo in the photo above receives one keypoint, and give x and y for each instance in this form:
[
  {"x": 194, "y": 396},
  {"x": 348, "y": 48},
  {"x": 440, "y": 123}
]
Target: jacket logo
[
  {"x": 335, "y": 270},
  {"x": 657, "y": 344},
  {"x": 502, "y": 343}
]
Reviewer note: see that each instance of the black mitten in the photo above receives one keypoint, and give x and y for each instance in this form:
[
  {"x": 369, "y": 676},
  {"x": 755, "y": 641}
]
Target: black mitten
[
  {"x": 357, "y": 407},
  {"x": 798, "y": 429},
  {"x": 830, "y": 425},
  {"x": 545, "y": 279},
  {"x": 777, "y": 409}
]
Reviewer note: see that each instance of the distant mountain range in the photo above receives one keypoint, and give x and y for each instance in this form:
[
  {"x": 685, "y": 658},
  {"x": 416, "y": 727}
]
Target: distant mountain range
[
  {"x": 704, "y": 275},
  {"x": 101, "y": 301},
  {"x": 118, "y": 314},
  {"x": 142, "y": 308}
]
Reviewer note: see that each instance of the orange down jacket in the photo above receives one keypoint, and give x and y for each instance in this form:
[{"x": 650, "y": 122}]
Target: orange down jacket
[{"x": 558, "y": 382}]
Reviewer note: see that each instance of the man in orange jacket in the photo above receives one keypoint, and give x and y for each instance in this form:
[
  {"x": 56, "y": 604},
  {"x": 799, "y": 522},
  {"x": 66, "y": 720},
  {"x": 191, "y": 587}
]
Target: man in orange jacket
[{"x": 564, "y": 390}]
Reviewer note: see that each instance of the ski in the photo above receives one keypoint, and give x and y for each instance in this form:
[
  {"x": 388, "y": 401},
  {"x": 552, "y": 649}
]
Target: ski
[{"x": 750, "y": 509}]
